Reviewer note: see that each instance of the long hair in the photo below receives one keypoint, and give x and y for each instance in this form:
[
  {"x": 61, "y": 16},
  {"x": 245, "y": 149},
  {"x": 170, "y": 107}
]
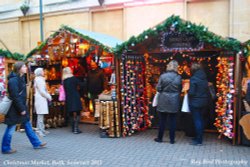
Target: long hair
[
  {"x": 17, "y": 66},
  {"x": 172, "y": 66},
  {"x": 67, "y": 73}
]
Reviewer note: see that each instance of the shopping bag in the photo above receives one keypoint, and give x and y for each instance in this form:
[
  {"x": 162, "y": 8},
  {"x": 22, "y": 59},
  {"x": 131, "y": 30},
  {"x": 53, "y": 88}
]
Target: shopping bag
[
  {"x": 155, "y": 100},
  {"x": 185, "y": 106},
  {"x": 5, "y": 105},
  {"x": 61, "y": 93},
  {"x": 246, "y": 105}
]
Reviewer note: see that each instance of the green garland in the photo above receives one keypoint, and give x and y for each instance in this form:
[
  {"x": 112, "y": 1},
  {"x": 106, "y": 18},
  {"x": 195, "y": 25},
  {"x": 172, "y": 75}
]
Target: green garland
[
  {"x": 199, "y": 31},
  {"x": 8, "y": 54},
  {"x": 247, "y": 48},
  {"x": 71, "y": 30}
]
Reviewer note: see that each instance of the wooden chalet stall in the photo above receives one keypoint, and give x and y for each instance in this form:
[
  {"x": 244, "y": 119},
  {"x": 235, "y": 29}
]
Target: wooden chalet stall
[
  {"x": 76, "y": 48},
  {"x": 144, "y": 58},
  {"x": 244, "y": 114}
]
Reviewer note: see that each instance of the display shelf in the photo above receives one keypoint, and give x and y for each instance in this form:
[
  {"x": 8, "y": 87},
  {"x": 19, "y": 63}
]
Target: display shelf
[{"x": 54, "y": 82}]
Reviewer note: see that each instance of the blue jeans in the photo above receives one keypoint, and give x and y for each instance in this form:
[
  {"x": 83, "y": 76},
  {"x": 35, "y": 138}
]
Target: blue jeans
[
  {"x": 6, "y": 142},
  {"x": 197, "y": 114},
  {"x": 172, "y": 125}
]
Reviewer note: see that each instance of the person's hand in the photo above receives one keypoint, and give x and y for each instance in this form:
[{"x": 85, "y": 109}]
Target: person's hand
[{"x": 23, "y": 113}]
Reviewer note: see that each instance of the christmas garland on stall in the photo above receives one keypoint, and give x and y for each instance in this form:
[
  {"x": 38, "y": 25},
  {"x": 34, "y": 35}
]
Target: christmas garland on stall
[
  {"x": 8, "y": 54},
  {"x": 69, "y": 30},
  {"x": 175, "y": 22},
  {"x": 225, "y": 92}
]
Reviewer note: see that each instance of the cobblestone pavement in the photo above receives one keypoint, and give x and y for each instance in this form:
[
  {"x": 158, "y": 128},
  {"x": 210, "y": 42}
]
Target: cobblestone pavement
[{"x": 139, "y": 150}]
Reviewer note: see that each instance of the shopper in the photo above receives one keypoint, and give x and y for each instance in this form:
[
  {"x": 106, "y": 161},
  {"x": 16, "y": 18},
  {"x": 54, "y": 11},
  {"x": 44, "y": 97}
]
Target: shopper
[
  {"x": 18, "y": 113},
  {"x": 95, "y": 82},
  {"x": 73, "y": 99},
  {"x": 41, "y": 100},
  {"x": 169, "y": 88},
  {"x": 198, "y": 100}
]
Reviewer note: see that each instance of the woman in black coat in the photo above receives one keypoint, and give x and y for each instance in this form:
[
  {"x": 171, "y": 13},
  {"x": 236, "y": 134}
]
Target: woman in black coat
[
  {"x": 169, "y": 88},
  {"x": 73, "y": 100},
  {"x": 18, "y": 112},
  {"x": 198, "y": 95}
]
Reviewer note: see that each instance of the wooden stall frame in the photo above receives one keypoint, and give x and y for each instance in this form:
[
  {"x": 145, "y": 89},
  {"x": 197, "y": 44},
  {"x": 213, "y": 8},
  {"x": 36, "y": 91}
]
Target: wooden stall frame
[{"x": 237, "y": 99}]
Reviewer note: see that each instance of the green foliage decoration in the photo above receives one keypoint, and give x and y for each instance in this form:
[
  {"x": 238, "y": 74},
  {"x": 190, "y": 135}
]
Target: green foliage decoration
[
  {"x": 71, "y": 30},
  {"x": 200, "y": 32},
  {"x": 8, "y": 54}
]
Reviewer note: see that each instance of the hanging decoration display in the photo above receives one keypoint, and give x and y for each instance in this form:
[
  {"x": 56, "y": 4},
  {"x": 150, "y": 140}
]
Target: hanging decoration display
[
  {"x": 133, "y": 91},
  {"x": 225, "y": 93},
  {"x": 147, "y": 77},
  {"x": 2, "y": 78},
  {"x": 183, "y": 65}
]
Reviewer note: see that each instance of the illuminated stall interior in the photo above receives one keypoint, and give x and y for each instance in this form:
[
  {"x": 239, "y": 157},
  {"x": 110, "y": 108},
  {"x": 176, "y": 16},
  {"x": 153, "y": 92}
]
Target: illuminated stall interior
[
  {"x": 76, "y": 49},
  {"x": 144, "y": 58}
]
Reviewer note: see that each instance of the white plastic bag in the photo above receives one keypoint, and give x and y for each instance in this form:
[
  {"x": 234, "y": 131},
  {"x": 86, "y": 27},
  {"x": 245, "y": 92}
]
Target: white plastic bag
[
  {"x": 155, "y": 100},
  {"x": 185, "y": 106},
  {"x": 5, "y": 105}
]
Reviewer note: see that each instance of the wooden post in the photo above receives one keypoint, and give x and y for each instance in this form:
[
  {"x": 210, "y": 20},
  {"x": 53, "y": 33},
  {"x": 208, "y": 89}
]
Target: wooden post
[
  {"x": 237, "y": 98},
  {"x": 118, "y": 88},
  {"x": 239, "y": 93}
]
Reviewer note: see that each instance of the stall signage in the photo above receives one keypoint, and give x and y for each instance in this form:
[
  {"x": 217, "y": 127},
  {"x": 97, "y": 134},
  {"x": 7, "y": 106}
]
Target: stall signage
[{"x": 180, "y": 41}]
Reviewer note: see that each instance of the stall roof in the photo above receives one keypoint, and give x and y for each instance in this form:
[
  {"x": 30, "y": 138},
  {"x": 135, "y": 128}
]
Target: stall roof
[
  {"x": 200, "y": 32},
  {"x": 8, "y": 54},
  {"x": 103, "y": 38},
  {"x": 105, "y": 41}
]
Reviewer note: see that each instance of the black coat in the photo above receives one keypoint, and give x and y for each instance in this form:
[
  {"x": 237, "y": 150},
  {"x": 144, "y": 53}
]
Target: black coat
[
  {"x": 169, "y": 87},
  {"x": 73, "y": 102},
  {"x": 248, "y": 93},
  {"x": 95, "y": 81},
  {"x": 198, "y": 93},
  {"x": 17, "y": 92}
]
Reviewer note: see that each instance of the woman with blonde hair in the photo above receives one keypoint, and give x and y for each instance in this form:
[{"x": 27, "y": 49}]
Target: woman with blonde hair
[
  {"x": 169, "y": 88},
  {"x": 73, "y": 100},
  {"x": 41, "y": 100}
]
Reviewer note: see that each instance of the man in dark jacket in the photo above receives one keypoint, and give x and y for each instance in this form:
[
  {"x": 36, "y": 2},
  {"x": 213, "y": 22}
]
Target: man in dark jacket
[
  {"x": 18, "y": 113},
  {"x": 95, "y": 82},
  {"x": 198, "y": 100}
]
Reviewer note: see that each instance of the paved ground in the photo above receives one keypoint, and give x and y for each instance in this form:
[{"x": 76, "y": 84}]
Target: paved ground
[{"x": 139, "y": 150}]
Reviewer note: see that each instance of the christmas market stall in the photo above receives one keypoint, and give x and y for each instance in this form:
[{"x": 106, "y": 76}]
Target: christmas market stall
[
  {"x": 244, "y": 115},
  {"x": 88, "y": 54},
  {"x": 144, "y": 58},
  {"x": 7, "y": 59}
]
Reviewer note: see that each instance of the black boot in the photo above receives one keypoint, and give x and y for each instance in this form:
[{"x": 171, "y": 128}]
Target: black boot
[
  {"x": 76, "y": 125},
  {"x": 72, "y": 123}
]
